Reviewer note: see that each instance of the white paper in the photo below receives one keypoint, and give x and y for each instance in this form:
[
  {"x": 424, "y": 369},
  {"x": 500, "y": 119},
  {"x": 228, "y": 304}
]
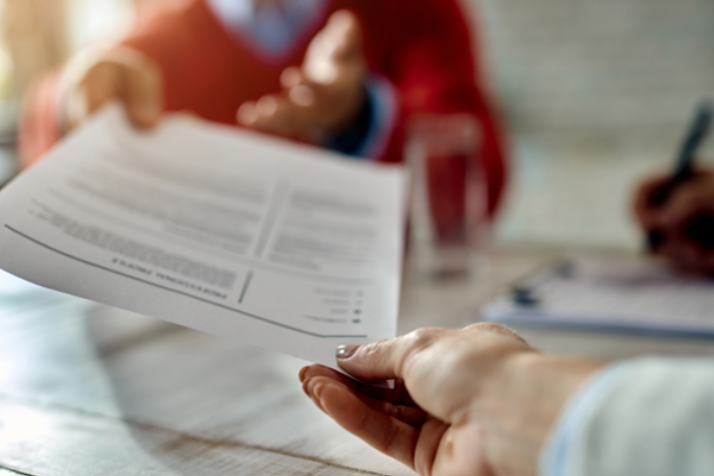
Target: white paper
[
  {"x": 278, "y": 245},
  {"x": 615, "y": 293}
]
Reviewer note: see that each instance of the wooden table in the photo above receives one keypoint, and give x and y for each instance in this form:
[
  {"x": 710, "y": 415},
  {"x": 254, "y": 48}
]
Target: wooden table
[{"x": 90, "y": 390}]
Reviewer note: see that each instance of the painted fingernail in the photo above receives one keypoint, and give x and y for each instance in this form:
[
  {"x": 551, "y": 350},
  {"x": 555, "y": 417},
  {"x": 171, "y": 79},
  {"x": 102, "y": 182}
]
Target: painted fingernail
[
  {"x": 303, "y": 370},
  {"x": 346, "y": 351}
]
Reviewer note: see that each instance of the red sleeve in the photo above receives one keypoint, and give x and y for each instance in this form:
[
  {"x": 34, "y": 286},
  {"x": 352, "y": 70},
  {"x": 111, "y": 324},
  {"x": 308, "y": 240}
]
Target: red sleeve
[
  {"x": 435, "y": 69},
  {"x": 39, "y": 120}
]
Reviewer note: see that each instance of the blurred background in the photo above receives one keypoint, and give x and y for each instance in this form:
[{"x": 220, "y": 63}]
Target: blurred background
[{"x": 594, "y": 95}]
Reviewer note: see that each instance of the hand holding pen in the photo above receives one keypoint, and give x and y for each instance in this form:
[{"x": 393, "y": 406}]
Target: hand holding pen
[{"x": 676, "y": 211}]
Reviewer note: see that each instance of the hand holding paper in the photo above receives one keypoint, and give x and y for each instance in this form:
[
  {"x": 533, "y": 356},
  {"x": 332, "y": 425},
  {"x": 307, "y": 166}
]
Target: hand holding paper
[{"x": 278, "y": 245}]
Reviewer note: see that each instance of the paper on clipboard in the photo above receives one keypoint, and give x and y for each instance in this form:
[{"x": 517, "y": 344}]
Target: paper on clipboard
[
  {"x": 279, "y": 245},
  {"x": 628, "y": 294}
]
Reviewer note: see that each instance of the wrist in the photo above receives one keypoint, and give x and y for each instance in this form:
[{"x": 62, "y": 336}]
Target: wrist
[
  {"x": 356, "y": 105},
  {"x": 351, "y": 133},
  {"x": 538, "y": 387},
  {"x": 523, "y": 402}
]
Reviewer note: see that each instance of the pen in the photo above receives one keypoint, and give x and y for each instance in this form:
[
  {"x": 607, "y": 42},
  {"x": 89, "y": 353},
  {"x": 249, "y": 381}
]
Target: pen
[{"x": 683, "y": 166}]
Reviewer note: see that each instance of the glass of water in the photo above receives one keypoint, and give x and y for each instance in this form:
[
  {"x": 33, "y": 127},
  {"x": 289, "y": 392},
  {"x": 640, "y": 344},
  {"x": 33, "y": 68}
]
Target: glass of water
[{"x": 448, "y": 221}]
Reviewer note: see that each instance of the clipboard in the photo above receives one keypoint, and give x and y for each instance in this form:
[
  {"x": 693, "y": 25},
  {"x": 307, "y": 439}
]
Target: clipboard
[{"x": 620, "y": 294}]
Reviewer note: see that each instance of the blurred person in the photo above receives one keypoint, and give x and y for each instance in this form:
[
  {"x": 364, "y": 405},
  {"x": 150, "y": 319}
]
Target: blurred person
[
  {"x": 685, "y": 222},
  {"x": 344, "y": 74},
  {"x": 481, "y": 402}
]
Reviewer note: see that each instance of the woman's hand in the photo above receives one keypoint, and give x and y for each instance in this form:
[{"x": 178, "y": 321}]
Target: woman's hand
[
  {"x": 476, "y": 401},
  {"x": 94, "y": 78}
]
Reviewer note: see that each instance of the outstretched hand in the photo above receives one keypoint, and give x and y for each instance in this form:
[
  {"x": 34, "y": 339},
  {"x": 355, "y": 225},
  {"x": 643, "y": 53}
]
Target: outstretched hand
[
  {"x": 476, "y": 401},
  {"x": 325, "y": 94}
]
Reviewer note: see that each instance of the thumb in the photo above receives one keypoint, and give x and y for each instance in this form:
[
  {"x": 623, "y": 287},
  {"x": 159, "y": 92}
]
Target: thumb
[
  {"x": 340, "y": 41},
  {"x": 348, "y": 32},
  {"x": 142, "y": 92},
  {"x": 387, "y": 359}
]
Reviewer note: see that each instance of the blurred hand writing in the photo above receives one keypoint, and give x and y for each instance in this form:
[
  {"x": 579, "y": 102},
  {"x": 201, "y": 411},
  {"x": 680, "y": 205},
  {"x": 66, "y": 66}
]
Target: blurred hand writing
[{"x": 684, "y": 223}]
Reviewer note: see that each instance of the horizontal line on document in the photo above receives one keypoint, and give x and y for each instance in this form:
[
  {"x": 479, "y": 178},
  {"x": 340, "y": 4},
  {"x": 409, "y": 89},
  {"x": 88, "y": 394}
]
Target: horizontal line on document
[{"x": 252, "y": 316}]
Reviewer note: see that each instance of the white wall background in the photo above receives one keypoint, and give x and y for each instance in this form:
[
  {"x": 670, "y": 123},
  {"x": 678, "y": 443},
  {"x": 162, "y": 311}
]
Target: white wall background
[
  {"x": 595, "y": 94},
  {"x": 97, "y": 20}
]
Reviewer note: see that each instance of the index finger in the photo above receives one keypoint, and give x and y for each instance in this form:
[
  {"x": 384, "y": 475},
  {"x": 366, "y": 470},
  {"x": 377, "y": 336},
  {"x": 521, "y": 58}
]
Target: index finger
[{"x": 397, "y": 395}]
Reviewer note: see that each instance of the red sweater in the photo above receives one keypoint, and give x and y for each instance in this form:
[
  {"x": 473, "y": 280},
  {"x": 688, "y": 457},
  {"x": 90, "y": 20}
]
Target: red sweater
[{"x": 423, "y": 48}]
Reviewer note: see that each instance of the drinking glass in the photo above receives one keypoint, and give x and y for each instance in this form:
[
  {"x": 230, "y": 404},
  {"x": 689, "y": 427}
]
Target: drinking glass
[{"x": 448, "y": 222}]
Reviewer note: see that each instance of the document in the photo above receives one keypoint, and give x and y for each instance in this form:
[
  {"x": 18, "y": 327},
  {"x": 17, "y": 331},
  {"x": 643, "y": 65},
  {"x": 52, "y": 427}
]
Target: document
[
  {"x": 615, "y": 293},
  {"x": 276, "y": 244}
]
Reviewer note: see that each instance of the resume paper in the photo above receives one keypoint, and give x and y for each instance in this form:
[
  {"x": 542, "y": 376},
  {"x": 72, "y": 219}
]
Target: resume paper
[{"x": 276, "y": 244}]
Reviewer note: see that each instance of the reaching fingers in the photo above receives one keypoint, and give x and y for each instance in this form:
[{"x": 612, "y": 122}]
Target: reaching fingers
[
  {"x": 322, "y": 95},
  {"x": 302, "y": 96},
  {"x": 276, "y": 114},
  {"x": 291, "y": 77},
  {"x": 247, "y": 113},
  {"x": 380, "y": 430},
  {"x": 298, "y": 89}
]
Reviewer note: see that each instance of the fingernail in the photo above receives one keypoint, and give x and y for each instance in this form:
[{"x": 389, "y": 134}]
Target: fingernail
[
  {"x": 317, "y": 392},
  {"x": 301, "y": 375},
  {"x": 346, "y": 351}
]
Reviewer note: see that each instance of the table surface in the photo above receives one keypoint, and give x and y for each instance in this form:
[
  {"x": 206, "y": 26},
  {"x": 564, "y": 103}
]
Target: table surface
[{"x": 86, "y": 389}]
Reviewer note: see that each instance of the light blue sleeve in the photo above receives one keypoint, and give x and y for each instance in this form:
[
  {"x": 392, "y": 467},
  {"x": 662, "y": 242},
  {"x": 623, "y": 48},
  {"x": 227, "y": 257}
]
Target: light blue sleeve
[{"x": 644, "y": 417}]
